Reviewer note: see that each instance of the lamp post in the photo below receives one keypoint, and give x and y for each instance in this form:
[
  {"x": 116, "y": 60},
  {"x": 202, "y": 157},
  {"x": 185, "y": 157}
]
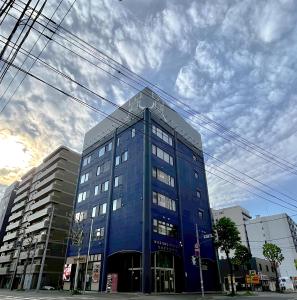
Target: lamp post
[{"x": 88, "y": 254}]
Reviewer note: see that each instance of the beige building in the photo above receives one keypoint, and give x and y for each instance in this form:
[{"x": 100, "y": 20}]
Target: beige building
[
  {"x": 35, "y": 241},
  {"x": 239, "y": 216}
]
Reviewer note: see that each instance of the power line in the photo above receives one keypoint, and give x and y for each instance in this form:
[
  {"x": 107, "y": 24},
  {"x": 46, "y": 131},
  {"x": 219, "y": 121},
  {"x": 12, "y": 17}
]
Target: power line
[
  {"x": 279, "y": 162},
  {"x": 123, "y": 123}
]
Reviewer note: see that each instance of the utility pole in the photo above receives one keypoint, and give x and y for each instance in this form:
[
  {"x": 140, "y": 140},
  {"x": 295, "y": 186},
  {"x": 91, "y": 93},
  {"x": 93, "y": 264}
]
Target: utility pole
[
  {"x": 45, "y": 250},
  {"x": 199, "y": 261},
  {"x": 89, "y": 246}
]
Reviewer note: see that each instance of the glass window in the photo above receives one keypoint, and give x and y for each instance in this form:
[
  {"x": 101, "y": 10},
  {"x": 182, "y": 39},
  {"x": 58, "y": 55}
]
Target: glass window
[
  {"x": 164, "y": 201},
  {"x": 194, "y": 157},
  {"x": 109, "y": 146},
  {"x": 162, "y": 135},
  {"x": 99, "y": 233},
  {"x": 200, "y": 214},
  {"x": 98, "y": 170},
  {"x": 104, "y": 186},
  {"x": 163, "y": 177},
  {"x": 99, "y": 210},
  {"x": 103, "y": 168},
  {"x": 96, "y": 192},
  {"x": 164, "y": 228},
  {"x": 117, "y": 160},
  {"x": 133, "y": 132},
  {"x": 162, "y": 154},
  {"x": 116, "y": 204},
  {"x": 94, "y": 212},
  {"x": 118, "y": 142},
  {"x": 80, "y": 216},
  {"x": 196, "y": 175},
  {"x": 101, "y": 151},
  {"x": 82, "y": 196},
  {"x": 125, "y": 156},
  {"x": 84, "y": 178},
  {"x": 118, "y": 180},
  {"x": 86, "y": 160},
  {"x": 198, "y": 194}
]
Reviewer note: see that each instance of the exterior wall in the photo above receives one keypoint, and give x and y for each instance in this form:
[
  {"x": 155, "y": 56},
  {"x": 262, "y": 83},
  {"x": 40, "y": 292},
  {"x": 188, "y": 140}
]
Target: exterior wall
[
  {"x": 277, "y": 229},
  {"x": 41, "y": 212},
  {"x": 6, "y": 204},
  {"x": 130, "y": 229},
  {"x": 239, "y": 216}
]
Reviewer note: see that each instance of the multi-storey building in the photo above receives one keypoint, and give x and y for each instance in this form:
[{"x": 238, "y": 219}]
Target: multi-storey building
[
  {"x": 142, "y": 190},
  {"x": 277, "y": 229},
  {"x": 239, "y": 216},
  {"x": 36, "y": 236},
  {"x": 6, "y": 204}
]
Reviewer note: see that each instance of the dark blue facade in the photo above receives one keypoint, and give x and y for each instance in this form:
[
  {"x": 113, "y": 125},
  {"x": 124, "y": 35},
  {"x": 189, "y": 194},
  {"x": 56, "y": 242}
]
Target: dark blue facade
[{"x": 153, "y": 244}]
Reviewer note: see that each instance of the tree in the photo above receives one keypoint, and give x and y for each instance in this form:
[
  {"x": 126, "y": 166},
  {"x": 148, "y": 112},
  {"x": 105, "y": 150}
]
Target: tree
[
  {"x": 227, "y": 237},
  {"x": 273, "y": 253},
  {"x": 242, "y": 256}
]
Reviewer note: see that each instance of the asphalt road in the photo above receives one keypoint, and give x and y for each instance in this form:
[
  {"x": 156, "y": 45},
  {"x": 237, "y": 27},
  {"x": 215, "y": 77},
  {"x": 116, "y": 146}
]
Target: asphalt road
[{"x": 56, "y": 295}]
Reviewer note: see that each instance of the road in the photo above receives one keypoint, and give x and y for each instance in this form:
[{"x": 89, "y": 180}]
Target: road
[{"x": 55, "y": 295}]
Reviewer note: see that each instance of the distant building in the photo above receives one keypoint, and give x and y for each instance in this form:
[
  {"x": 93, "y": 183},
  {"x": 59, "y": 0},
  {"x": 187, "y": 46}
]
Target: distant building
[
  {"x": 36, "y": 236},
  {"x": 278, "y": 229},
  {"x": 143, "y": 180},
  {"x": 6, "y": 204},
  {"x": 239, "y": 216}
]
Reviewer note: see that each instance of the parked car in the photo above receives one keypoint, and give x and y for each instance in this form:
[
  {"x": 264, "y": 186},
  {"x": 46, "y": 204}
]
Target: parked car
[
  {"x": 286, "y": 284},
  {"x": 48, "y": 288}
]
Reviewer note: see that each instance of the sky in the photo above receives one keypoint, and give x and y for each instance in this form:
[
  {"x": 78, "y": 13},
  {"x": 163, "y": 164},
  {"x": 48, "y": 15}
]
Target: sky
[{"x": 232, "y": 61}]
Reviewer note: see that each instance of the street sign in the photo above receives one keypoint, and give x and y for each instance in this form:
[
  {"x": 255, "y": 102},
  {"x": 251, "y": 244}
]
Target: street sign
[{"x": 207, "y": 236}]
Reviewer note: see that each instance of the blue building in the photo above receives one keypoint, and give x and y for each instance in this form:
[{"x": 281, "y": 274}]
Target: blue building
[{"x": 142, "y": 189}]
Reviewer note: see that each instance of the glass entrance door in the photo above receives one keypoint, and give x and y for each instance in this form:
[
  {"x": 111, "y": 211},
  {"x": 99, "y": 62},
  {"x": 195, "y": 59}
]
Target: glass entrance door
[{"x": 165, "y": 280}]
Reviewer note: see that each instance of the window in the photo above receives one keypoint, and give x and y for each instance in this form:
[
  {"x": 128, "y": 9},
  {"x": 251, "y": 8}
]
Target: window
[
  {"x": 267, "y": 268},
  {"x": 80, "y": 216},
  {"x": 96, "y": 192},
  {"x": 86, "y": 160},
  {"x": 104, "y": 186},
  {"x": 82, "y": 196},
  {"x": 118, "y": 142},
  {"x": 116, "y": 204},
  {"x": 84, "y": 178},
  {"x": 121, "y": 158},
  {"x": 103, "y": 168},
  {"x": 260, "y": 267},
  {"x": 98, "y": 234},
  {"x": 164, "y": 228},
  {"x": 162, "y": 135},
  {"x": 164, "y": 201},
  {"x": 163, "y": 177},
  {"x": 125, "y": 156},
  {"x": 99, "y": 210},
  {"x": 162, "y": 154},
  {"x": 105, "y": 148},
  {"x": 196, "y": 175},
  {"x": 198, "y": 194},
  {"x": 118, "y": 180},
  {"x": 194, "y": 157},
  {"x": 200, "y": 214},
  {"x": 133, "y": 132}
]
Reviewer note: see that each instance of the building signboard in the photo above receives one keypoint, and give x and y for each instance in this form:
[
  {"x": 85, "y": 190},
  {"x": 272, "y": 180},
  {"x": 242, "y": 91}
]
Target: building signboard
[{"x": 96, "y": 272}]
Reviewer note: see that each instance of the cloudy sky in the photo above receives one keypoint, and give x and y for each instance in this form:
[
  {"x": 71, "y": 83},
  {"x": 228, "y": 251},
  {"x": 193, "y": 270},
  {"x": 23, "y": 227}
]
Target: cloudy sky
[{"x": 232, "y": 61}]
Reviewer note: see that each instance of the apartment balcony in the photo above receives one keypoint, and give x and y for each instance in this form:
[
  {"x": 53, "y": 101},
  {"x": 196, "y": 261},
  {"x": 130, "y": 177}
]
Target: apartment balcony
[
  {"x": 38, "y": 226},
  {"x": 37, "y": 239},
  {"x": 4, "y": 270},
  {"x": 10, "y": 236},
  {"x": 13, "y": 225},
  {"x": 53, "y": 197},
  {"x": 58, "y": 186},
  {"x": 5, "y": 258},
  {"x": 20, "y": 269},
  {"x": 47, "y": 180},
  {"x": 23, "y": 188},
  {"x": 18, "y": 206},
  {"x": 21, "y": 196},
  {"x": 35, "y": 268},
  {"x": 24, "y": 254},
  {"x": 39, "y": 214},
  {"x": 45, "y": 173},
  {"x": 7, "y": 247},
  {"x": 16, "y": 216}
]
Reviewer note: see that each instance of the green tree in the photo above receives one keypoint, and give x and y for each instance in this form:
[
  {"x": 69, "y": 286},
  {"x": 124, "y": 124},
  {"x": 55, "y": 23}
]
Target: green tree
[
  {"x": 227, "y": 238},
  {"x": 242, "y": 255},
  {"x": 273, "y": 253}
]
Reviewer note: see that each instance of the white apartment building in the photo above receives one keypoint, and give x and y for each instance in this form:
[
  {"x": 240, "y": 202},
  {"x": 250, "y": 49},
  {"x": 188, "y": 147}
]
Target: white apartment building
[
  {"x": 278, "y": 229},
  {"x": 239, "y": 216}
]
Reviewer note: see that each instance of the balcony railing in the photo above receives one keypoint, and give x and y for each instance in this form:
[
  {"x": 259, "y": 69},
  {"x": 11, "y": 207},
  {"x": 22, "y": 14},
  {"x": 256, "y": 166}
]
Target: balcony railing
[
  {"x": 39, "y": 214},
  {"x": 14, "y": 225},
  {"x": 4, "y": 270},
  {"x": 15, "y": 216},
  {"x": 10, "y": 236},
  {"x": 38, "y": 226},
  {"x": 7, "y": 247},
  {"x": 18, "y": 206},
  {"x": 5, "y": 258},
  {"x": 21, "y": 196}
]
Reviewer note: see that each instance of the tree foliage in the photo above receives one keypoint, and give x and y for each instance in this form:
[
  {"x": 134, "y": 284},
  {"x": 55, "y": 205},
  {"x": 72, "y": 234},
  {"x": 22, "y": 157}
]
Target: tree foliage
[
  {"x": 242, "y": 255},
  {"x": 273, "y": 253}
]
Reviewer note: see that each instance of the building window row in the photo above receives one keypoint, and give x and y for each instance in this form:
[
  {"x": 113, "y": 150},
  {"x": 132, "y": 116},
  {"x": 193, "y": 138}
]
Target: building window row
[
  {"x": 162, "y": 135},
  {"x": 104, "y": 149},
  {"x": 164, "y": 228},
  {"x": 87, "y": 160},
  {"x": 103, "y": 168},
  {"x": 164, "y": 201},
  {"x": 163, "y": 177},
  {"x": 162, "y": 154},
  {"x": 84, "y": 178},
  {"x": 121, "y": 158},
  {"x": 103, "y": 187},
  {"x": 80, "y": 216},
  {"x": 82, "y": 196},
  {"x": 98, "y": 234},
  {"x": 116, "y": 204},
  {"x": 99, "y": 210}
]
